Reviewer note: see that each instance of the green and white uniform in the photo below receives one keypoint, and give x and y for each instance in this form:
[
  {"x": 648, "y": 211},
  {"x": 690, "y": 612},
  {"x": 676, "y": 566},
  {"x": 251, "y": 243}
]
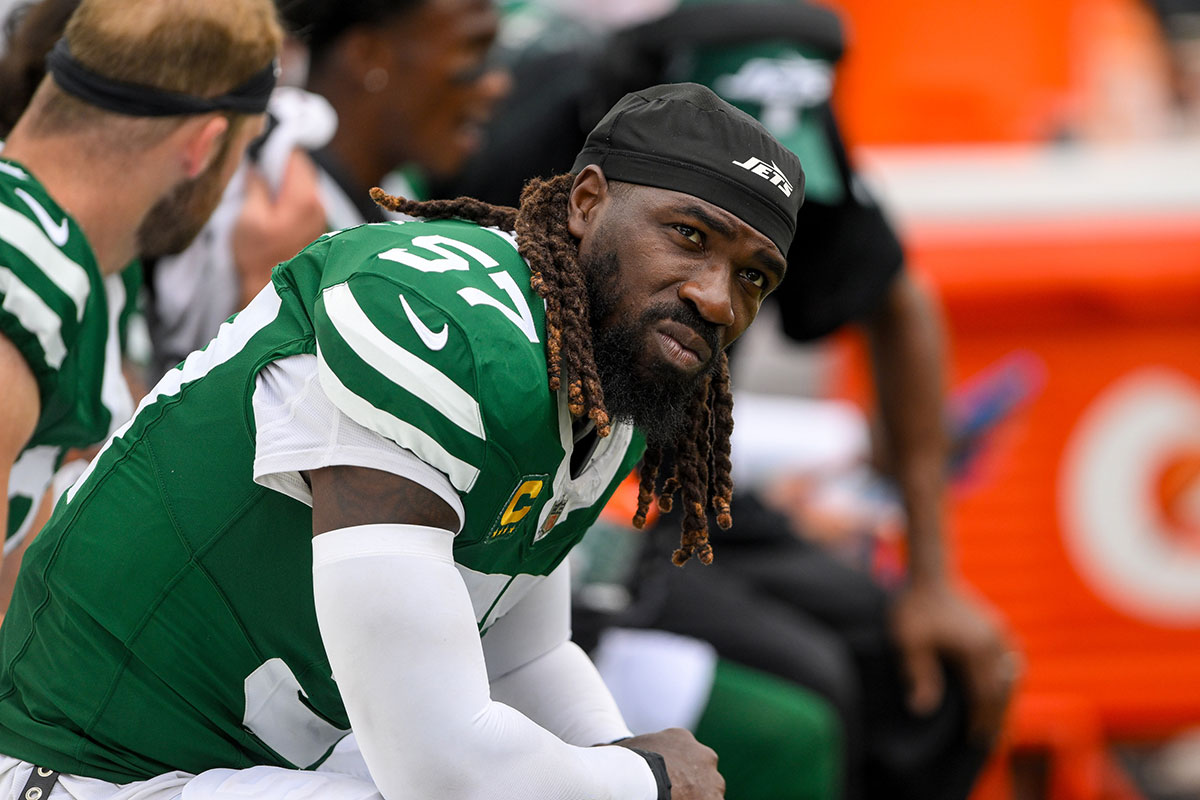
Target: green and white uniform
[
  {"x": 65, "y": 319},
  {"x": 164, "y": 619}
]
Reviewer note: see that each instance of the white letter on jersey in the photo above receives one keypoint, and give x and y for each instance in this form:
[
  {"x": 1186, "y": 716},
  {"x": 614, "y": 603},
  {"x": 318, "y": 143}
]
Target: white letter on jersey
[
  {"x": 518, "y": 315},
  {"x": 522, "y": 317},
  {"x": 438, "y": 244},
  {"x": 280, "y": 719}
]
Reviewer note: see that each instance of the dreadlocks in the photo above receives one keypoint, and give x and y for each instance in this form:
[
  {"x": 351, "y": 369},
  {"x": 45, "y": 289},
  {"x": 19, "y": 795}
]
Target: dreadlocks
[{"x": 701, "y": 472}]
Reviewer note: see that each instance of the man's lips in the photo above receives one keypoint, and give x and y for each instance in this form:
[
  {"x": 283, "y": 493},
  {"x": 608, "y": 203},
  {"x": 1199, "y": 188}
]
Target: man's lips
[
  {"x": 469, "y": 135},
  {"x": 683, "y": 345}
]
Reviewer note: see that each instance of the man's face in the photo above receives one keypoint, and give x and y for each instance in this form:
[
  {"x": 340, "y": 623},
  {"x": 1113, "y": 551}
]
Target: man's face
[
  {"x": 179, "y": 215},
  {"x": 442, "y": 90},
  {"x": 672, "y": 281}
]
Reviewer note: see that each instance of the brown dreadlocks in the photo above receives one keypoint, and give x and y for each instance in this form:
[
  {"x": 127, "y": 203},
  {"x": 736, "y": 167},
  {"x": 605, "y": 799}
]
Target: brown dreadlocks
[{"x": 701, "y": 455}]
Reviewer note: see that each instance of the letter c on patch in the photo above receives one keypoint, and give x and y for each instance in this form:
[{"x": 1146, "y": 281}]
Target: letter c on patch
[{"x": 530, "y": 490}]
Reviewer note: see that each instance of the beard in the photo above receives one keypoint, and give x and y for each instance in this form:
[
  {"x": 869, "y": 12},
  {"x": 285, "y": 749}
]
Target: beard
[
  {"x": 180, "y": 214},
  {"x": 641, "y": 389}
]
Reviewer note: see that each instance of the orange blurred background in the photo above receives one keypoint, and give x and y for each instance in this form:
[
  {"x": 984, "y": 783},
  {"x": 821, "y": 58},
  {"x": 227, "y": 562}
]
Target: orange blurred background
[
  {"x": 932, "y": 71},
  {"x": 1048, "y": 188}
]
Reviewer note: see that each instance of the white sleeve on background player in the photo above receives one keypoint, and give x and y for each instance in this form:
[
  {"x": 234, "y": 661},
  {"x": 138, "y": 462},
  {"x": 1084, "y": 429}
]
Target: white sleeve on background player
[
  {"x": 401, "y": 637},
  {"x": 535, "y": 668}
]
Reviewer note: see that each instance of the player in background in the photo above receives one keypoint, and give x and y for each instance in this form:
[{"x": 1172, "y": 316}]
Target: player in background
[
  {"x": 30, "y": 30},
  {"x": 390, "y": 84},
  {"x": 123, "y": 151}
]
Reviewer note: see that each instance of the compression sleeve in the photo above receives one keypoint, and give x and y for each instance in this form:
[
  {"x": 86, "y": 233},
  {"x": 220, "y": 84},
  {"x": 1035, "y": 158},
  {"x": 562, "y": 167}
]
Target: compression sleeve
[
  {"x": 401, "y": 637},
  {"x": 535, "y": 668}
]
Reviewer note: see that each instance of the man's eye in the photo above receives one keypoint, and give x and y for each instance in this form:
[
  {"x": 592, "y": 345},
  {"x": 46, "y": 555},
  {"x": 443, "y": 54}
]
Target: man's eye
[
  {"x": 757, "y": 278},
  {"x": 475, "y": 70},
  {"x": 470, "y": 75},
  {"x": 691, "y": 234}
]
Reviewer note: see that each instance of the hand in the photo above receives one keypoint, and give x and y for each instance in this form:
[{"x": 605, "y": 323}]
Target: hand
[
  {"x": 691, "y": 766},
  {"x": 273, "y": 229},
  {"x": 932, "y": 620}
]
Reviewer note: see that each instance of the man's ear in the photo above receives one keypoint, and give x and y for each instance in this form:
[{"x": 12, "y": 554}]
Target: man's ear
[
  {"x": 588, "y": 193},
  {"x": 361, "y": 52},
  {"x": 203, "y": 143}
]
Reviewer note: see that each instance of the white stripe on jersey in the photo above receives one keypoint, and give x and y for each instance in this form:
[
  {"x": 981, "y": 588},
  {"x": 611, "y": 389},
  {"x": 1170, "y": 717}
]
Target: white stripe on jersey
[
  {"x": 34, "y": 315},
  {"x": 231, "y": 338},
  {"x": 9, "y": 169},
  {"x": 31, "y": 474},
  {"x": 114, "y": 389},
  {"x": 24, "y": 234},
  {"x": 509, "y": 237},
  {"x": 494, "y": 595},
  {"x": 398, "y": 365},
  {"x": 461, "y": 474}
]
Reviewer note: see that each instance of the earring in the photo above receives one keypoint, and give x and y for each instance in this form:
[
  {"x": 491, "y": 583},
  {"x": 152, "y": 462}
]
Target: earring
[{"x": 376, "y": 80}]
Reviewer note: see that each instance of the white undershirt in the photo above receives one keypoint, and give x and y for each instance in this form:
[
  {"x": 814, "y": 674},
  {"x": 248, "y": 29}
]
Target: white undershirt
[{"x": 299, "y": 428}]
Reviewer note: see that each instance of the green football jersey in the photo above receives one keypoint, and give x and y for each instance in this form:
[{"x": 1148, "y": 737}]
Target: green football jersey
[
  {"x": 164, "y": 618},
  {"x": 63, "y": 317}
]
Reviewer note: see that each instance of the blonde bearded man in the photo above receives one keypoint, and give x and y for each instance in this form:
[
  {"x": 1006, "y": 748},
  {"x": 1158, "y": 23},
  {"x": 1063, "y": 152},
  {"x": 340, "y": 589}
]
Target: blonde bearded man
[{"x": 123, "y": 152}]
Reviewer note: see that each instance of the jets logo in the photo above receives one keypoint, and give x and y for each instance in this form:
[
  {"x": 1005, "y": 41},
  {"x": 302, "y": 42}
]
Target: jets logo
[
  {"x": 770, "y": 171},
  {"x": 782, "y": 87}
]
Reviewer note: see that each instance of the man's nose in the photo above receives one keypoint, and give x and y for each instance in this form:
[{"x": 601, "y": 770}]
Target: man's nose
[
  {"x": 709, "y": 291},
  {"x": 495, "y": 84}
]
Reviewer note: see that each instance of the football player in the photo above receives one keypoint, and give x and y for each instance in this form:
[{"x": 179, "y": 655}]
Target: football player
[
  {"x": 391, "y": 84},
  {"x": 351, "y": 512},
  {"x": 122, "y": 152}
]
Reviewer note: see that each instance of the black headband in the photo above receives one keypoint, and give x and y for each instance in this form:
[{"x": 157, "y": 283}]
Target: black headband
[
  {"x": 683, "y": 137},
  {"x": 136, "y": 100}
]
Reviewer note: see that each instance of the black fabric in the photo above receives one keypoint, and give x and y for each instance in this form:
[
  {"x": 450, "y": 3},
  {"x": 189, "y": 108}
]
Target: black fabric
[
  {"x": 136, "y": 100},
  {"x": 254, "y": 149},
  {"x": 1177, "y": 17},
  {"x": 537, "y": 130},
  {"x": 658, "y": 766},
  {"x": 682, "y": 137},
  {"x": 358, "y": 195},
  {"x": 776, "y": 603},
  {"x": 650, "y": 53},
  {"x": 41, "y": 782},
  {"x": 843, "y": 259},
  {"x": 705, "y": 24}
]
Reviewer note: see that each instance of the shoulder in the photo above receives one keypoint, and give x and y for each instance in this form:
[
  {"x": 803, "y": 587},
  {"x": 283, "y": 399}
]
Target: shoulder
[
  {"x": 48, "y": 275},
  {"x": 408, "y": 278},
  {"x": 417, "y": 324},
  {"x": 410, "y": 251}
]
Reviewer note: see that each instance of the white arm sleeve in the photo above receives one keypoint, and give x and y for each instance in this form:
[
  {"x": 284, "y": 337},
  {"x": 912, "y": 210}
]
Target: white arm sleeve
[
  {"x": 535, "y": 668},
  {"x": 401, "y": 637}
]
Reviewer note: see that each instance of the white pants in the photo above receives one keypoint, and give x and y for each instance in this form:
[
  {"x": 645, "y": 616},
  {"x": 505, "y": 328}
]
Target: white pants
[{"x": 343, "y": 776}]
